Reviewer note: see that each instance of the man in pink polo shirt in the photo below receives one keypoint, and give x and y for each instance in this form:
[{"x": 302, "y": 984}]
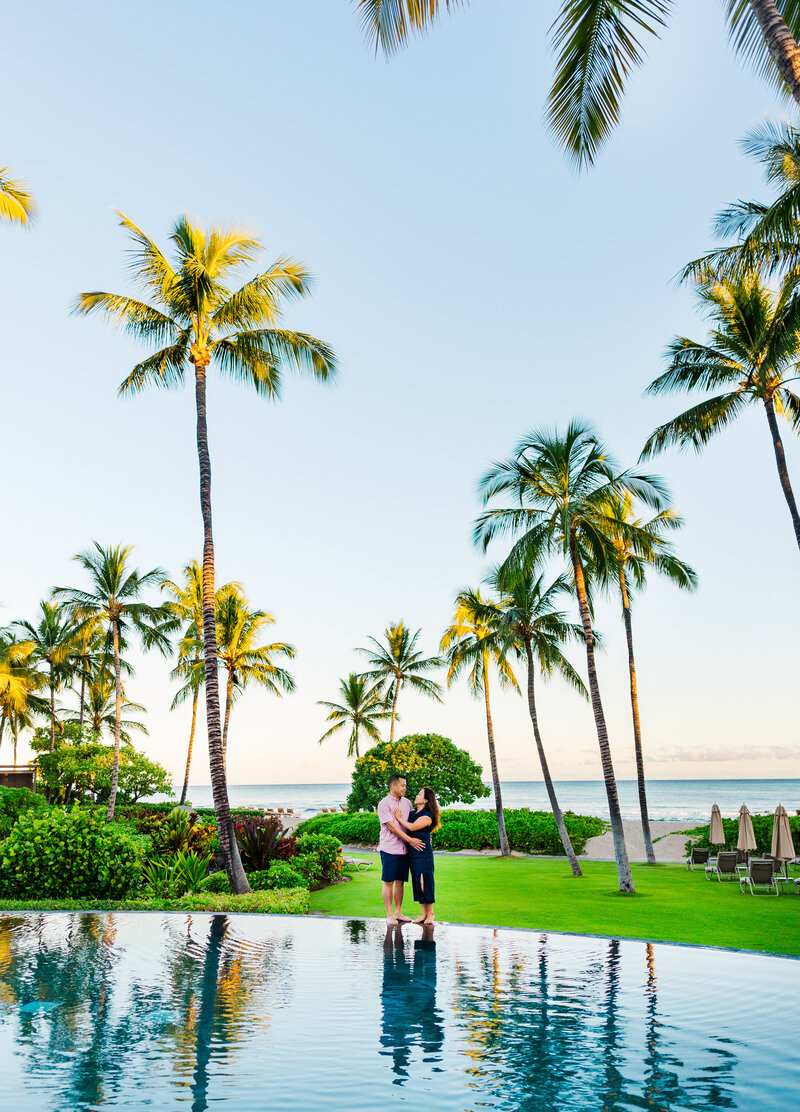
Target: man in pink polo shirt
[{"x": 392, "y": 848}]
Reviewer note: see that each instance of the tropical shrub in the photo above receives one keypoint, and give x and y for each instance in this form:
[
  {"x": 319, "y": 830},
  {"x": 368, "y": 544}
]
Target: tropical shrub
[
  {"x": 178, "y": 832},
  {"x": 67, "y": 853},
  {"x": 15, "y": 802},
  {"x": 528, "y": 831},
  {"x": 426, "y": 760},
  {"x": 309, "y": 866},
  {"x": 217, "y": 882},
  {"x": 262, "y": 841},
  {"x": 762, "y": 828},
  {"x": 81, "y": 770},
  {"x": 326, "y": 849},
  {"x": 174, "y": 876},
  {"x": 280, "y": 874}
]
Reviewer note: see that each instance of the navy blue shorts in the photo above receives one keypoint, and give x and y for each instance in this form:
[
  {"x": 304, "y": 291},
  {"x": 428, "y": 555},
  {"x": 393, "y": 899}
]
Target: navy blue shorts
[{"x": 394, "y": 866}]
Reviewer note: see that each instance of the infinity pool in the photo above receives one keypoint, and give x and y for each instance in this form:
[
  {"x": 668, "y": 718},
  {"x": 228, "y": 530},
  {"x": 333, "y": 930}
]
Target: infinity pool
[{"x": 240, "y": 1013}]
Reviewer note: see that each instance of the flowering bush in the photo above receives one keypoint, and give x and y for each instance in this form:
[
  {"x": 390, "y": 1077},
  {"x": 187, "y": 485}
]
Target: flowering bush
[{"x": 326, "y": 850}]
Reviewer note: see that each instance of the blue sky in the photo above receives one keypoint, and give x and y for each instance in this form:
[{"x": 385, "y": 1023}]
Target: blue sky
[{"x": 473, "y": 287}]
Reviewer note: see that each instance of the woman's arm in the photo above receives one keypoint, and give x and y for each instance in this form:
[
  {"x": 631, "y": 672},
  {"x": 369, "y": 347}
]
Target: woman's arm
[{"x": 419, "y": 824}]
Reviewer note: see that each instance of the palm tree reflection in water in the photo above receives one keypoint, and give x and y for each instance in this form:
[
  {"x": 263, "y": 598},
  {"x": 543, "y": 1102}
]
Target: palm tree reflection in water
[{"x": 408, "y": 1002}]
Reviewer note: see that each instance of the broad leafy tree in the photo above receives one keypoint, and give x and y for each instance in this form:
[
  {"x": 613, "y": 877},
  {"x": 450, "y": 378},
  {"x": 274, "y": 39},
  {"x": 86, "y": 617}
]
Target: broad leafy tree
[
  {"x": 475, "y": 643},
  {"x": 114, "y": 600},
  {"x": 361, "y": 708},
  {"x": 538, "y": 630},
  {"x": 600, "y": 43},
  {"x": 426, "y": 760},
  {"x": 239, "y": 630},
  {"x": 639, "y": 545},
  {"x": 750, "y": 358},
  {"x": 397, "y": 663},
  {"x": 189, "y": 309},
  {"x": 558, "y": 486}
]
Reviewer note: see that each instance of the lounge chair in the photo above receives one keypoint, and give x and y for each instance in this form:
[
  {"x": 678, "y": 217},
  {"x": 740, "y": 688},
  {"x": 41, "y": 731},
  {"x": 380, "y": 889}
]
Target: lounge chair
[
  {"x": 357, "y": 863},
  {"x": 759, "y": 876},
  {"x": 697, "y": 857},
  {"x": 780, "y": 872},
  {"x": 724, "y": 868}
]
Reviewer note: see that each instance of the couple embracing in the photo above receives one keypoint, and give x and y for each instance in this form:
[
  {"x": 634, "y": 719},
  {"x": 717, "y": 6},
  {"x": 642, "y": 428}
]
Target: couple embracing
[{"x": 405, "y": 844}]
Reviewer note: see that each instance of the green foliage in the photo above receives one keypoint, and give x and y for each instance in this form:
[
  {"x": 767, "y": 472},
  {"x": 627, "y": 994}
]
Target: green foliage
[
  {"x": 326, "y": 849},
  {"x": 67, "y": 853},
  {"x": 286, "y": 901},
  {"x": 81, "y": 770},
  {"x": 280, "y": 874},
  {"x": 762, "y": 828},
  {"x": 218, "y": 882},
  {"x": 528, "y": 831},
  {"x": 309, "y": 866},
  {"x": 179, "y": 831},
  {"x": 426, "y": 760},
  {"x": 262, "y": 841},
  {"x": 15, "y": 802},
  {"x": 184, "y": 872}
]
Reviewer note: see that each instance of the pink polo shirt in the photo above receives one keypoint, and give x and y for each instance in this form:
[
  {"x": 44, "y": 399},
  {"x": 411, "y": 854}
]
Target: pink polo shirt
[{"x": 389, "y": 842}]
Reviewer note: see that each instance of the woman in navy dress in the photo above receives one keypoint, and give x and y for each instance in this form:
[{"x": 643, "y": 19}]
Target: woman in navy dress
[{"x": 423, "y": 822}]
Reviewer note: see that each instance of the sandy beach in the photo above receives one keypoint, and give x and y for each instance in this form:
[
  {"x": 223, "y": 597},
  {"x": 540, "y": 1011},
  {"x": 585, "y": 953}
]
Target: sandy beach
[{"x": 668, "y": 843}]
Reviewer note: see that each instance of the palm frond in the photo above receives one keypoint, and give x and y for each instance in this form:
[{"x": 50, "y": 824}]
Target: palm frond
[
  {"x": 390, "y": 23},
  {"x": 16, "y": 202}
]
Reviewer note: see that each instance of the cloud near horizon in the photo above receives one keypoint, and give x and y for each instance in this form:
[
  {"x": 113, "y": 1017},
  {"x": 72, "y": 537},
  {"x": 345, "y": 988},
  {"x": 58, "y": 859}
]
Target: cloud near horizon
[{"x": 749, "y": 753}]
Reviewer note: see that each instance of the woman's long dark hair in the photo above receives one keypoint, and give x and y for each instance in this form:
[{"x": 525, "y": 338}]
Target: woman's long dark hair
[{"x": 432, "y": 806}]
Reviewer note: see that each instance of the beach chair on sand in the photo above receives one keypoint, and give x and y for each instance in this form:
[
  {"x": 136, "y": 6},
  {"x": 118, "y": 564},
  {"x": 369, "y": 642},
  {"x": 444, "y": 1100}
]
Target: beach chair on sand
[
  {"x": 759, "y": 877},
  {"x": 724, "y": 868},
  {"x": 697, "y": 857}
]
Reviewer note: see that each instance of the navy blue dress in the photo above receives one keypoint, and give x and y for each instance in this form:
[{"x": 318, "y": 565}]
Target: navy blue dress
[{"x": 421, "y": 860}]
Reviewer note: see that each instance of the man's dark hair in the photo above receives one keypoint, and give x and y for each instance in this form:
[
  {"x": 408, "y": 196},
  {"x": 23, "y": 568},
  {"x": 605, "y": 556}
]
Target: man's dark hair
[{"x": 395, "y": 777}]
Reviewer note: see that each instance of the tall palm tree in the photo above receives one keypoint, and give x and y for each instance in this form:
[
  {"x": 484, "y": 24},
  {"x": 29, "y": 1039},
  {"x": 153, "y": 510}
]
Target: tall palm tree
[
  {"x": 361, "y": 708},
  {"x": 398, "y": 662},
  {"x": 16, "y": 203},
  {"x": 186, "y": 604},
  {"x": 638, "y": 544},
  {"x": 19, "y": 682},
  {"x": 537, "y": 630},
  {"x": 751, "y": 357},
  {"x": 238, "y": 631},
  {"x": 54, "y": 639},
  {"x": 193, "y": 313},
  {"x": 598, "y": 43},
  {"x": 475, "y": 641},
  {"x": 100, "y": 712},
  {"x": 559, "y": 485},
  {"x": 114, "y": 600}
]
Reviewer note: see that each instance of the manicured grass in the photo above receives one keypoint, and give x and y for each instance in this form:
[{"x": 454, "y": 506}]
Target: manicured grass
[
  {"x": 287, "y": 901},
  {"x": 670, "y": 905}
]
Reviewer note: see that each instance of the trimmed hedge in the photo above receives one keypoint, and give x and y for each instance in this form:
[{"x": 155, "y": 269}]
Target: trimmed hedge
[
  {"x": 528, "y": 831},
  {"x": 283, "y": 901},
  {"x": 762, "y": 828}
]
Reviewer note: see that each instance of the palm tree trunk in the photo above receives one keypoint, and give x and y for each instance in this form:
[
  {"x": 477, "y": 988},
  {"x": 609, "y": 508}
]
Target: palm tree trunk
[
  {"x": 228, "y": 701},
  {"x": 83, "y": 696},
  {"x": 548, "y": 782},
  {"x": 780, "y": 42},
  {"x": 498, "y": 796},
  {"x": 117, "y": 722},
  {"x": 394, "y": 708},
  {"x": 620, "y": 849},
  {"x": 52, "y": 708},
  {"x": 219, "y": 786},
  {"x": 3, "y": 717},
  {"x": 208, "y": 1007},
  {"x": 184, "y": 790},
  {"x": 783, "y": 471},
  {"x": 637, "y": 726}
]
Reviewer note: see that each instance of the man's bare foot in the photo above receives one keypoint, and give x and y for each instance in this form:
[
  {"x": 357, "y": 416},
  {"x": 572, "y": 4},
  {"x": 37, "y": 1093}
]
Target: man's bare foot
[
  {"x": 403, "y": 919},
  {"x": 390, "y": 921}
]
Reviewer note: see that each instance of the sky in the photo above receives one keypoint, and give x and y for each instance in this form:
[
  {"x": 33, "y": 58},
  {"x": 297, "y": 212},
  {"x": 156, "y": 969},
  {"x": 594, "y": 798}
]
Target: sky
[{"x": 473, "y": 286}]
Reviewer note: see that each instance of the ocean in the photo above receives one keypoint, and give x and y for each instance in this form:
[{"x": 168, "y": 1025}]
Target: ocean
[{"x": 675, "y": 800}]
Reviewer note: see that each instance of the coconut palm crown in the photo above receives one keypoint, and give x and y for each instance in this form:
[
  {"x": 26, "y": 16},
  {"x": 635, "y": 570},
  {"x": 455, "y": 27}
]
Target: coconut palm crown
[
  {"x": 750, "y": 358},
  {"x": 190, "y": 311},
  {"x": 398, "y": 663},
  {"x": 361, "y": 708},
  {"x": 17, "y": 206}
]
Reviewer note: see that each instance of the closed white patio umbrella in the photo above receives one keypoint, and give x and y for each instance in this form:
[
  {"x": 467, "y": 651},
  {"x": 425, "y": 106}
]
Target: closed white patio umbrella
[
  {"x": 747, "y": 839},
  {"x": 782, "y": 844},
  {"x": 716, "y": 835}
]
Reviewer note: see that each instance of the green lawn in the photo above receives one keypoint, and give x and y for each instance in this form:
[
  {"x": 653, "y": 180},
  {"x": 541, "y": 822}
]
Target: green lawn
[{"x": 670, "y": 905}]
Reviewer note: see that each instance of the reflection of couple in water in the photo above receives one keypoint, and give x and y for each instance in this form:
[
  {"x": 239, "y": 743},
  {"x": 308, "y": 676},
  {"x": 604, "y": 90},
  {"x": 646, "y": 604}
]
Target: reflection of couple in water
[
  {"x": 408, "y": 1000},
  {"x": 405, "y": 843}
]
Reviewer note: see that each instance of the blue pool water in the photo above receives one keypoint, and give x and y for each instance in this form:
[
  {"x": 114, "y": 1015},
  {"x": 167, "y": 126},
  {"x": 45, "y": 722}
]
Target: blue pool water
[{"x": 241, "y": 1013}]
